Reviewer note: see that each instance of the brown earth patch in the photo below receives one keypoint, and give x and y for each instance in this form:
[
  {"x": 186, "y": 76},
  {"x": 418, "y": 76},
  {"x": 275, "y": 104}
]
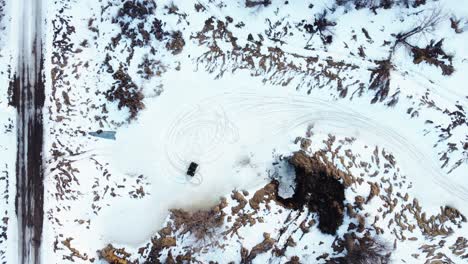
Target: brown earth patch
[{"x": 318, "y": 188}]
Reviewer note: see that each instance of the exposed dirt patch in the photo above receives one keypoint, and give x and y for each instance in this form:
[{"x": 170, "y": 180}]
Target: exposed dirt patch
[{"x": 319, "y": 190}]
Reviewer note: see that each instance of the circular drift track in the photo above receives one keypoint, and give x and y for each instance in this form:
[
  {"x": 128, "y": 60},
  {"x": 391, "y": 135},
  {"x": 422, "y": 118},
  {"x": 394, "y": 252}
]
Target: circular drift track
[{"x": 202, "y": 132}]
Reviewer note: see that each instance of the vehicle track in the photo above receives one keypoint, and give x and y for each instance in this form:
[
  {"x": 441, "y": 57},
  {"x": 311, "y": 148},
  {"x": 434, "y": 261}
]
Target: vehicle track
[
  {"x": 28, "y": 98},
  {"x": 197, "y": 135}
]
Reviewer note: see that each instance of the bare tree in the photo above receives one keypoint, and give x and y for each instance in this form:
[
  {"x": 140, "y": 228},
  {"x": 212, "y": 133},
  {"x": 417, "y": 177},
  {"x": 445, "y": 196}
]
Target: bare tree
[{"x": 425, "y": 26}]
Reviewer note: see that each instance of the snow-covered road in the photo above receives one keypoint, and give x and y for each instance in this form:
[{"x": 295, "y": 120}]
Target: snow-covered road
[{"x": 28, "y": 98}]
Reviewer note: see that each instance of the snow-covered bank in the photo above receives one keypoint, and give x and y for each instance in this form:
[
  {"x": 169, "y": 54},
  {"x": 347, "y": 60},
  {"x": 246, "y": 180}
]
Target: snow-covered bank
[{"x": 8, "y": 59}]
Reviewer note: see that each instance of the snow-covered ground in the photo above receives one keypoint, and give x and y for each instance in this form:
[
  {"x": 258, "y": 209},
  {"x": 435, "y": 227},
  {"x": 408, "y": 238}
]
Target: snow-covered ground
[
  {"x": 231, "y": 88},
  {"x": 8, "y": 245}
]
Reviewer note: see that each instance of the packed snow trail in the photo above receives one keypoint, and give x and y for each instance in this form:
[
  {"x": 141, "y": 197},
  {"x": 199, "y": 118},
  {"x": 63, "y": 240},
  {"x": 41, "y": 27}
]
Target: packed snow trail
[
  {"x": 219, "y": 128},
  {"x": 198, "y": 135},
  {"x": 28, "y": 98}
]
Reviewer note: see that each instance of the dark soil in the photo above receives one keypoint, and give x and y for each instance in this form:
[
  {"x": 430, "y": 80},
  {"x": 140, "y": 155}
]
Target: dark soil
[{"x": 317, "y": 189}]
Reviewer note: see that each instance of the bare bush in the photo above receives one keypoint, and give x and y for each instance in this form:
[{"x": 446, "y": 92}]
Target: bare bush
[
  {"x": 364, "y": 250},
  {"x": 455, "y": 25},
  {"x": 201, "y": 223},
  {"x": 426, "y": 25},
  {"x": 176, "y": 43},
  {"x": 250, "y": 3},
  {"x": 380, "y": 80},
  {"x": 367, "y": 251},
  {"x": 321, "y": 26},
  {"x": 126, "y": 93},
  {"x": 114, "y": 255},
  {"x": 376, "y": 4},
  {"x": 433, "y": 54}
]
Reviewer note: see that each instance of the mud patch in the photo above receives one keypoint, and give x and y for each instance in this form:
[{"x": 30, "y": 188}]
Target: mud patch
[{"x": 318, "y": 189}]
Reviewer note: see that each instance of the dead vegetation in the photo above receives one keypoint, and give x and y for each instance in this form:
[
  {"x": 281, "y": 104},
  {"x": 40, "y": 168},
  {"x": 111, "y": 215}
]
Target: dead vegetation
[
  {"x": 75, "y": 253},
  {"x": 360, "y": 245},
  {"x": 274, "y": 65},
  {"x": 363, "y": 250},
  {"x": 140, "y": 27},
  {"x": 433, "y": 54},
  {"x": 322, "y": 25},
  {"x": 115, "y": 255},
  {"x": 264, "y": 246},
  {"x": 380, "y": 80},
  {"x": 254, "y": 3},
  {"x": 137, "y": 11},
  {"x": 126, "y": 93},
  {"x": 385, "y": 4},
  {"x": 455, "y": 25},
  {"x": 150, "y": 68},
  {"x": 176, "y": 43},
  {"x": 202, "y": 223}
]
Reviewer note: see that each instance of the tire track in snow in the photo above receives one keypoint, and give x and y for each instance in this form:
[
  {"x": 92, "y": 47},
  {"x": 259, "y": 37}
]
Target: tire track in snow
[
  {"x": 197, "y": 135},
  {"x": 204, "y": 130}
]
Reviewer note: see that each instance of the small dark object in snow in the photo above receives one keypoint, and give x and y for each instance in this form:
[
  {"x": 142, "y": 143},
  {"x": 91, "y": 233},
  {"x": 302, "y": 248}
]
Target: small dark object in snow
[
  {"x": 103, "y": 134},
  {"x": 192, "y": 168}
]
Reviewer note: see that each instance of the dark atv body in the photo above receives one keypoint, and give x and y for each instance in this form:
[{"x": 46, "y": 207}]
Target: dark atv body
[{"x": 192, "y": 169}]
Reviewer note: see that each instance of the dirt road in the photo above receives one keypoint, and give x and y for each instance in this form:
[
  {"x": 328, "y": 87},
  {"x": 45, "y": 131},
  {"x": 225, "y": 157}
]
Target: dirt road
[{"x": 28, "y": 98}]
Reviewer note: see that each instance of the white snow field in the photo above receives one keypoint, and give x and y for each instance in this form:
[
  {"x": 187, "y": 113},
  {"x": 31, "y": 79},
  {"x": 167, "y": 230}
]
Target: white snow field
[
  {"x": 233, "y": 98},
  {"x": 218, "y": 129},
  {"x": 8, "y": 47}
]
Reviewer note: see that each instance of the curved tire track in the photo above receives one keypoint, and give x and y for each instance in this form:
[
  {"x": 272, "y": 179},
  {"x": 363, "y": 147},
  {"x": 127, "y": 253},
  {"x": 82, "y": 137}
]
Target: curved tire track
[{"x": 187, "y": 141}]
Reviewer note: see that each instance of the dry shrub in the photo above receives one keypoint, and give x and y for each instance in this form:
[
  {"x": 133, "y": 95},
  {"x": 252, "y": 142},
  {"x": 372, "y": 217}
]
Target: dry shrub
[
  {"x": 376, "y": 4},
  {"x": 176, "y": 43},
  {"x": 455, "y": 25},
  {"x": 366, "y": 251},
  {"x": 132, "y": 17},
  {"x": 427, "y": 24},
  {"x": 433, "y": 54},
  {"x": 363, "y": 250},
  {"x": 201, "y": 223},
  {"x": 126, "y": 93},
  {"x": 380, "y": 80},
  {"x": 322, "y": 26},
  {"x": 264, "y": 246},
  {"x": 114, "y": 255},
  {"x": 250, "y": 3}
]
